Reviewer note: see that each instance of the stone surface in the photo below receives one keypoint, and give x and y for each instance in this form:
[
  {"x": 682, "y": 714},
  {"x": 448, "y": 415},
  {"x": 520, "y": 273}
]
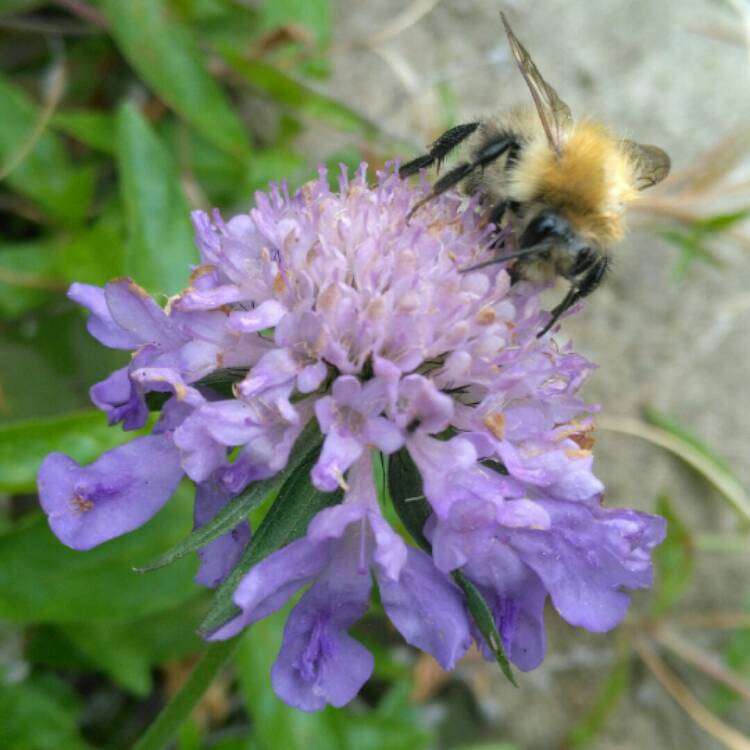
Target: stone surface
[{"x": 651, "y": 70}]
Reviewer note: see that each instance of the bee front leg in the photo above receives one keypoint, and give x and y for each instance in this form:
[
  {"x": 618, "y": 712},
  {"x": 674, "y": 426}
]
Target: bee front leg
[
  {"x": 592, "y": 276},
  {"x": 439, "y": 149}
]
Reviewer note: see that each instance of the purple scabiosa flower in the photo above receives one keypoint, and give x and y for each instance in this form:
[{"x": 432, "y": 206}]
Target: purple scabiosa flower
[{"x": 322, "y": 330}]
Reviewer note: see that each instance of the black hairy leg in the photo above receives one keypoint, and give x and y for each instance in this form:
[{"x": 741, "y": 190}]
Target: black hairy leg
[
  {"x": 495, "y": 217},
  {"x": 482, "y": 157},
  {"x": 591, "y": 274},
  {"x": 497, "y": 213},
  {"x": 439, "y": 149}
]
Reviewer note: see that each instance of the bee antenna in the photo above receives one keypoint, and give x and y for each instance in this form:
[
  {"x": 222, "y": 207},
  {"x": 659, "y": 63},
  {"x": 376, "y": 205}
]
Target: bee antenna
[{"x": 541, "y": 247}]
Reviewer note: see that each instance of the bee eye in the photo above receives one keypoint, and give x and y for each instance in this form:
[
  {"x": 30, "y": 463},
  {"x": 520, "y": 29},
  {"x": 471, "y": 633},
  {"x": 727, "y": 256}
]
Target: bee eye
[{"x": 543, "y": 227}]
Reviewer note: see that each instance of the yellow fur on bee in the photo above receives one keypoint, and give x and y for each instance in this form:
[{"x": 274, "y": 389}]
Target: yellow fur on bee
[{"x": 590, "y": 183}]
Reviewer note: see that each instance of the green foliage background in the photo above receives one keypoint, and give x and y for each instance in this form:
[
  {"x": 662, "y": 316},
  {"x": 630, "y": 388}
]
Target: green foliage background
[{"x": 116, "y": 118}]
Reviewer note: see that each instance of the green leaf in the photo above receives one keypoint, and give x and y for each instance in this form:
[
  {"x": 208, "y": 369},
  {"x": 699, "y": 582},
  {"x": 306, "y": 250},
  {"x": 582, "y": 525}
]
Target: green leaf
[
  {"x": 704, "y": 463},
  {"x": 377, "y": 730},
  {"x": 238, "y": 509},
  {"x": 671, "y": 425},
  {"x": 674, "y": 559},
  {"x": 296, "y": 505},
  {"x": 299, "y": 97},
  {"x": 128, "y": 652},
  {"x": 15, "y": 6},
  {"x": 191, "y": 735},
  {"x": 54, "y": 359},
  {"x": 692, "y": 247},
  {"x": 590, "y": 726},
  {"x": 94, "y": 129},
  {"x": 407, "y": 495},
  {"x": 23, "y": 445},
  {"x": 32, "y": 718},
  {"x": 161, "y": 246},
  {"x": 165, "y": 55},
  {"x": 27, "y": 276},
  {"x": 80, "y": 257},
  {"x": 405, "y": 488},
  {"x": 218, "y": 174},
  {"x": 693, "y": 240},
  {"x": 45, "y": 174},
  {"x": 274, "y": 165},
  {"x": 484, "y": 620},
  {"x": 374, "y": 732},
  {"x": 721, "y": 222},
  {"x": 43, "y": 581},
  {"x": 47, "y": 646},
  {"x": 306, "y": 54},
  {"x": 314, "y": 14}
]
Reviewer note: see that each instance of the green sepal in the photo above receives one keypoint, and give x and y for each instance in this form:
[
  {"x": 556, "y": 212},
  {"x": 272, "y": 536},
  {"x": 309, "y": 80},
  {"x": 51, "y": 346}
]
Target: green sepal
[
  {"x": 482, "y": 616},
  {"x": 237, "y": 509},
  {"x": 295, "y": 506},
  {"x": 407, "y": 495}
]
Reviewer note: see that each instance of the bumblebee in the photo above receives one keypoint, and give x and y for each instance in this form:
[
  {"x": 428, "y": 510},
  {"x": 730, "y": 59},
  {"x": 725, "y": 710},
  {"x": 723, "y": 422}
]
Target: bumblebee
[{"x": 562, "y": 186}]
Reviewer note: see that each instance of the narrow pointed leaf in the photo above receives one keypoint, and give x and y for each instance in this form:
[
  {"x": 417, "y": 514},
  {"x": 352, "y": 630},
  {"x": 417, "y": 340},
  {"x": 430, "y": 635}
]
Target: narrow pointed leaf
[
  {"x": 161, "y": 244},
  {"x": 405, "y": 488},
  {"x": 671, "y": 425},
  {"x": 299, "y": 97},
  {"x": 241, "y": 506},
  {"x": 227, "y": 519},
  {"x": 162, "y": 50},
  {"x": 689, "y": 450},
  {"x": 93, "y": 128},
  {"x": 296, "y": 505},
  {"x": 484, "y": 620}
]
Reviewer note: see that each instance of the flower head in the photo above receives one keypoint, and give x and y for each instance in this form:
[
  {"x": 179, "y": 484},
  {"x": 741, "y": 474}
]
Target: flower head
[{"x": 333, "y": 307}]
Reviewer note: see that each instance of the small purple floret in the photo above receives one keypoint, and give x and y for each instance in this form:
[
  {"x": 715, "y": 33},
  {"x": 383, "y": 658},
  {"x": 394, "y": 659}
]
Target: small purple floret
[{"x": 117, "y": 493}]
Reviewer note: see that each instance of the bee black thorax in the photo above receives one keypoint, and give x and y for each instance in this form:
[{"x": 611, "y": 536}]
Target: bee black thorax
[{"x": 561, "y": 250}]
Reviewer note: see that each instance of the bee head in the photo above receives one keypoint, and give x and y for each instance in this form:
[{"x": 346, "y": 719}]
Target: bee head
[
  {"x": 552, "y": 228},
  {"x": 557, "y": 241}
]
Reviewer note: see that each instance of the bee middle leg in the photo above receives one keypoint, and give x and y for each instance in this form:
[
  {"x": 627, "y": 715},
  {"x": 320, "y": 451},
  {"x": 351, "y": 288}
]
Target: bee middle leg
[{"x": 592, "y": 273}]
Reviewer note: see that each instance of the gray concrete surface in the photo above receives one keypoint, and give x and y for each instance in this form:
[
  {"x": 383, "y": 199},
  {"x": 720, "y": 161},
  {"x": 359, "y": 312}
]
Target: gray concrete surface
[{"x": 649, "y": 68}]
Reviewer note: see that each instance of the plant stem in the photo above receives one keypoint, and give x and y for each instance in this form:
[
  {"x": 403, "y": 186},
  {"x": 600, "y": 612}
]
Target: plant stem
[{"x": 176, "y": 712}]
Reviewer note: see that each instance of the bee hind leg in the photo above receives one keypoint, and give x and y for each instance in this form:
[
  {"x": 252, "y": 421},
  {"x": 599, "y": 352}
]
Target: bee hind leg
[
  {"x": 439, "y": 149},
  {"x": 592, "y": 276}
]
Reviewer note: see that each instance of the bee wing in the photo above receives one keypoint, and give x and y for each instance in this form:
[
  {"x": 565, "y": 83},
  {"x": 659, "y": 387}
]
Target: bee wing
[
  {"x": 554, "y": 113},
  {"x": 651, "y": 163}
]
